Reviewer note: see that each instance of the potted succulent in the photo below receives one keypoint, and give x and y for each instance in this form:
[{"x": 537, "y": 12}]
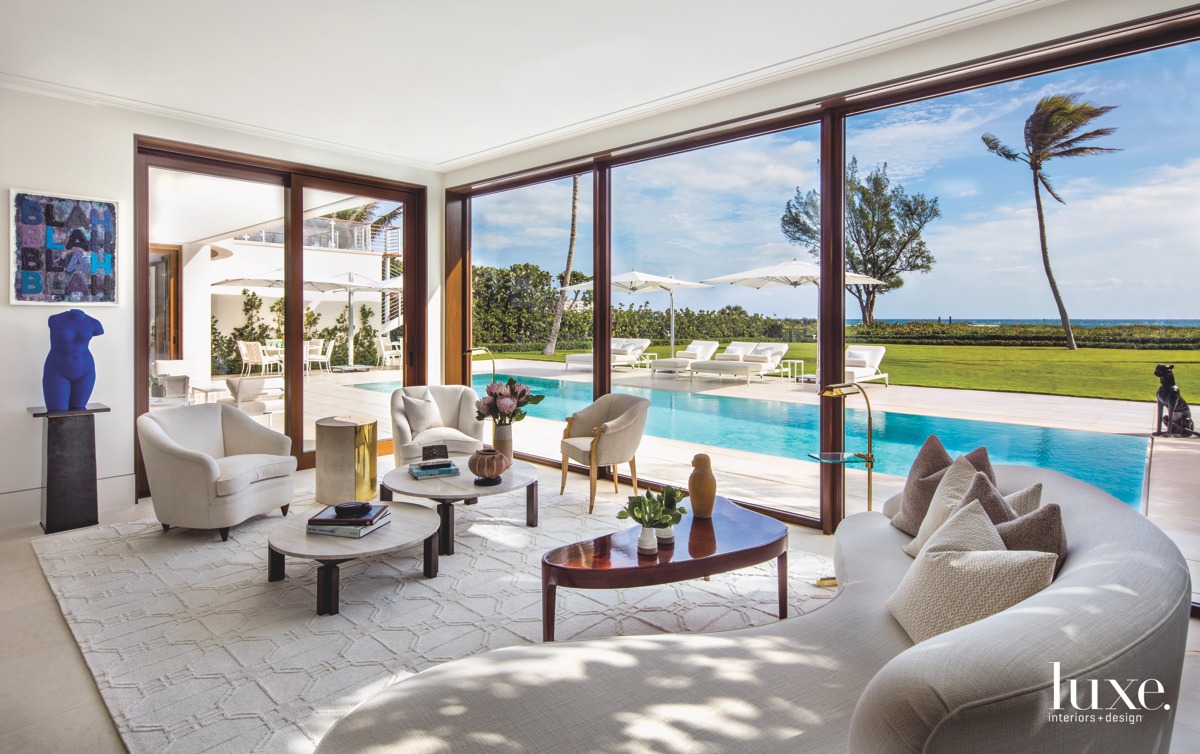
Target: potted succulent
[{"x": 652, "y": 513}]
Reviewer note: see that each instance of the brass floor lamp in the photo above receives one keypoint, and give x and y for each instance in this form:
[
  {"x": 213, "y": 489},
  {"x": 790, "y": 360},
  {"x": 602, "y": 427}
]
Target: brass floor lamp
[{"x": 841, "y": 390}]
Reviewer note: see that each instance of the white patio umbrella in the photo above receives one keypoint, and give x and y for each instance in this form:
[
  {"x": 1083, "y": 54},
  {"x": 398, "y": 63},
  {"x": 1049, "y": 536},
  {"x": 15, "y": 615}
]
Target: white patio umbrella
[
  {"x": 349, "y": 283},
  {"x": 792, "y": 274},
  {"x": 643, "y": 282}
]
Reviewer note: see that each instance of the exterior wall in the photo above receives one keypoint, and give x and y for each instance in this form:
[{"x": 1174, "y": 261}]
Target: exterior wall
[{"x": 75, "y": 148}]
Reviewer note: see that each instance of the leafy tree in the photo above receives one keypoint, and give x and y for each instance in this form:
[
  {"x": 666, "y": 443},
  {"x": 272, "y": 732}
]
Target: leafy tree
[
  {"x": 223, "y": 352},
  {"x": 1053, "y": 131},
  {"x": 366, "y": 350},
  {"x": 883, "y": 231},
  {"x": 552, "y": 341}
]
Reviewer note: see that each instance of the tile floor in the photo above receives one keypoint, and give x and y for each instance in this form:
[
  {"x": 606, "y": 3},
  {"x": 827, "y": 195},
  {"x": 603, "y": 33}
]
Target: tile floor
[{"x": 49, "y": 702}]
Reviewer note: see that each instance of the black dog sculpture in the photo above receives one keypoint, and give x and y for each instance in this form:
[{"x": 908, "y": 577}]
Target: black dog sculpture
[{"x": 1173, "y": 410}]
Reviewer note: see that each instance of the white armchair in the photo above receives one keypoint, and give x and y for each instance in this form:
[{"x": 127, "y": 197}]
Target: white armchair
[
  {"x": 211, "y": 467},
  {"x": 449, "y": 421},
  {"x": 391, "y": 353},
  {"x": 606, "y": 433}
]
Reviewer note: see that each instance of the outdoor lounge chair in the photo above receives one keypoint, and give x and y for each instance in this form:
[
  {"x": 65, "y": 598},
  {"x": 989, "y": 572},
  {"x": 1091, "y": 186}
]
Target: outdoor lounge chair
[
  {"x": 862, "y": 364},
  {"x": 390, "y": 352},
  {"x": 697, "y": 350},
  {"x": 741, "y": 359},
  {"x": 625, "y": 352}
]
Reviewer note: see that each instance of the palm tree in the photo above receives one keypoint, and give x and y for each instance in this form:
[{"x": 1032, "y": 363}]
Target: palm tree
[
  {"x": 552, "y": 341},
  {"x": 1053, "y": 131}
]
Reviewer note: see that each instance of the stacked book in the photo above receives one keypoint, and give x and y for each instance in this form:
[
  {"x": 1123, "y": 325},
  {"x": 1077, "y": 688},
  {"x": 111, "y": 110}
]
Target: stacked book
[
  {"x": 432, "y": 469},
  {"x": 328, "y": 522}
]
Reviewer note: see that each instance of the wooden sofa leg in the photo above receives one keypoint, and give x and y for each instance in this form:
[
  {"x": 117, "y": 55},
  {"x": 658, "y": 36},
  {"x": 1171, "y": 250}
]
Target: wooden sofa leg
[
  {"x": 284, "y": 508},
  {"x": 633, "y": 474},
  {"x": 563, "y": 489},
  {"x": 592, "y": 471},
  {"x": 616, "y": 484},
  {"x": 166, "y": 527},
  {"x": 224, "y": 533}
]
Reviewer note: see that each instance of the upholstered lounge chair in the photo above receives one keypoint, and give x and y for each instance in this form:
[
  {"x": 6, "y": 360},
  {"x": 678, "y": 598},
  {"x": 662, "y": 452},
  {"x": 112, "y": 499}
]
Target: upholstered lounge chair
[
  {"x": 210, "y": 466},
  {"x": 625, "y": 352},
  {"x": 450, "y": 421},
  {"x": 606, "y": 433},
  {"x": 741, "y": 359},
  {"x": 697, "y": 350}
]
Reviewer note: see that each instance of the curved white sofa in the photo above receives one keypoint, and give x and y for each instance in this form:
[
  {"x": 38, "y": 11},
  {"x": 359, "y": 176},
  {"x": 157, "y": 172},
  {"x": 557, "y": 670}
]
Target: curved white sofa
[{"x": 845, "y": 677}]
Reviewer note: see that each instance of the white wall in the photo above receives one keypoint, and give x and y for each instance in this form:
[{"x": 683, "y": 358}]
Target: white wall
[
  {"x": 68, "y": 147},
  {"x": 930, "y": 53}
]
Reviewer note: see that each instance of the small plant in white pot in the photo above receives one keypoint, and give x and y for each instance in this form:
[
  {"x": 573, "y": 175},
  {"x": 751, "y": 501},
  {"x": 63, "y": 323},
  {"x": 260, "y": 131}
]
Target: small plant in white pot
[{"x": 653, "y": 513}]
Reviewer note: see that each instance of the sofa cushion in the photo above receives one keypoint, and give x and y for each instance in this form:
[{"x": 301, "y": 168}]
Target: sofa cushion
[
  {"x": 1041, "y": 530},
  {"x": 422, "y": 413},
  {"x": 239, "y": 472},
  {"x": 950, "y": 491},
  {"x": 923, "y": 479},
  {"x": 962, "y": 576},
  {"x": 757, "y": 358},
  {"x": 1001, "y": 508}
]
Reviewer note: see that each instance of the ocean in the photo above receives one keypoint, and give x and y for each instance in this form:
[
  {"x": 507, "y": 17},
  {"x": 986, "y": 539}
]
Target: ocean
[{"x": 1074, "y": 322}]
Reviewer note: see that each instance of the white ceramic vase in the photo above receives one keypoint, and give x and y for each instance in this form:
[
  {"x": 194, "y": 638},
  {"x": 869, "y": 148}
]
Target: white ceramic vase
[
  {"x": 647, "y": 542},
  {"x": 666, "y": 536}
]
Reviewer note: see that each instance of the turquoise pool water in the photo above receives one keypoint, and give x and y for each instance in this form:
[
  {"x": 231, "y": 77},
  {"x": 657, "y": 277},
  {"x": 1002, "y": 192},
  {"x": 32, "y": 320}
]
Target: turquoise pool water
[{"x": 1114, "y": 463}]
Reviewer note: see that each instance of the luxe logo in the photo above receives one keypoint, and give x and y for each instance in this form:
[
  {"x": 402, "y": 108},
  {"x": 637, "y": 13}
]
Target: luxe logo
[{"x": 1086, "y": 695}]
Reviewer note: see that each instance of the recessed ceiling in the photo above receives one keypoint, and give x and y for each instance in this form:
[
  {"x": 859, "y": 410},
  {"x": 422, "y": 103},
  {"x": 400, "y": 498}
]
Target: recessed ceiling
[{"x": 442, "y": 85}]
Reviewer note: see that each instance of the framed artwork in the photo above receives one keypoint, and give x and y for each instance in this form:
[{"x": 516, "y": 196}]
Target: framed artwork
[{"x": 64, "y": 250}]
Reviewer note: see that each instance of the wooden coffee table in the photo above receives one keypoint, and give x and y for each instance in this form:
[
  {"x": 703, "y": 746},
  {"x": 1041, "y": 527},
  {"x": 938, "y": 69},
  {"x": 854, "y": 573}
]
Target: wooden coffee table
[
  {"x": 462, "y": 488},
  {"x": 409, "y": 523},
  {"x": 733, "y": 538}
]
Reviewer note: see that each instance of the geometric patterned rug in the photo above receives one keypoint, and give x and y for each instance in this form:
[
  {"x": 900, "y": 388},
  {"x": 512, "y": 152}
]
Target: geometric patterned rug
[{"x": 194, "y": 650}]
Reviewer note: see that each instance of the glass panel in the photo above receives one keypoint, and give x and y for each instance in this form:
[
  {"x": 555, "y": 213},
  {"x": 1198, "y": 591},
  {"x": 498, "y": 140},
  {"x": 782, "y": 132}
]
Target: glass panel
[
  {"x": 353, "y": 294},
  {"x": 221, "y": 280},
  {"x": 975, "y": 337},
  {"x": 523, "y": 242},
  {"x": 727, "y": 386}
]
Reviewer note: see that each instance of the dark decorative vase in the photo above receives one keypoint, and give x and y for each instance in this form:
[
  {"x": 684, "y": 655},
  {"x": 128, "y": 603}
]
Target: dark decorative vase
[
  {"x": 70, "y": 372},
  {"x": 487, "y": 465}
]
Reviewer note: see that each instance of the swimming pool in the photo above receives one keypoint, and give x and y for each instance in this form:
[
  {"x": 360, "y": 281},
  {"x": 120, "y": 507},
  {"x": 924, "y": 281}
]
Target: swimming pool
[{"x": 1114, "y": 463}]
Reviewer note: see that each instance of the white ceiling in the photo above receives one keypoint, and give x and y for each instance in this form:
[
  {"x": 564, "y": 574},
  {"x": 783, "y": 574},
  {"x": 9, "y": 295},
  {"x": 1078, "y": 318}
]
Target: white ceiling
[{"x": 443, "y": 85}]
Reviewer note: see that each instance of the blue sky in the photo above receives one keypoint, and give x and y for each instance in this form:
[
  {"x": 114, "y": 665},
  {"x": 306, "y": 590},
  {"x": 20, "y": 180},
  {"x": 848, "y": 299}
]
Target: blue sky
[{"x": 1125, "y": 245}]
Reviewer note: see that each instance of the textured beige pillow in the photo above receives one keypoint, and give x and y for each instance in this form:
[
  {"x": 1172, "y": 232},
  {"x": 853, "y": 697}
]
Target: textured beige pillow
[
  {"x": 955, "y": 483},
  {"x": 1002, "y": 508},
  {"x": 422, "y": 414},
  {"x": 957, "y": 579},
  {"x": 1041, "y": 530},
  {"x": 923, "y": 478}
]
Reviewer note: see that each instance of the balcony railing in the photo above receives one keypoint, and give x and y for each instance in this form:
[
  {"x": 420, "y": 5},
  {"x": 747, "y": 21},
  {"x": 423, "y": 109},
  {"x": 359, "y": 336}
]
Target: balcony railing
[{"x": 344, "y": 235}]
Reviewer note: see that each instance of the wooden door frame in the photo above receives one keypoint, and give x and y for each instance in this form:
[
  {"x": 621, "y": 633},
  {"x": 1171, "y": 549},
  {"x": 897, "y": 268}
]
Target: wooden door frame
[{"x": 152, "y": 152}]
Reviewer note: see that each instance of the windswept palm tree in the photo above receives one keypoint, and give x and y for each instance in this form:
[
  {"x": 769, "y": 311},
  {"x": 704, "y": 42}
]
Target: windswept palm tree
[
  {"x": 1053, "y": 131},
  {"x": 552, "y": 341}
]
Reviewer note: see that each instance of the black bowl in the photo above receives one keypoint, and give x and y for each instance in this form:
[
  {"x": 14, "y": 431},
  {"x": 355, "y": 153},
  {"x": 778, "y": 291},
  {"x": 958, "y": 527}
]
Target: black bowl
[{"x": 352, "y": 510}]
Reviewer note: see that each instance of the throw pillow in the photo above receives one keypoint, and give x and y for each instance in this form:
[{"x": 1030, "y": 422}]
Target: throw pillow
[
  {"x": 762, "y": 351},
  {"x": 852, "y": 354},
  {"x": 959, "y": 579},
  {"x": 955, "y": 482},
  {"x": 1001, "y": 508},
  {"x": 422, "y": 413},
  {"x": 629, "y": 345},
  {"x": 734, "y": 350},
  {"x": 923, "y": 479},
  {"x": 1042, "y": 531}
]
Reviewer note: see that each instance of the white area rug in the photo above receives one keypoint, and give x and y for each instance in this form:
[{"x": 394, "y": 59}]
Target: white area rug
[{"x": 194, "y": 650}]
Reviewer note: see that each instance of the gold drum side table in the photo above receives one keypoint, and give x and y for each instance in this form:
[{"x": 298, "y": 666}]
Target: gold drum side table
[{"x": 346, "y": 458}]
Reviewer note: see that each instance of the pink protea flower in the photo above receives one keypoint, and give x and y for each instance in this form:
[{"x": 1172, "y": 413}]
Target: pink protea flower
[
  {"x": 496, "y": 388},
  {"x": 506, "y": 405},
  {"x": 483, "y": 405},
  {"x": 520, "y": 392}
]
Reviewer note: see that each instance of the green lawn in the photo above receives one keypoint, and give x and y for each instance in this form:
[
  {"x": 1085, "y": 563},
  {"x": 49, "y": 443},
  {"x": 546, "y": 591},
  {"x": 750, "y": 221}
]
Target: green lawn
[{"x": 1089, "y": 372}]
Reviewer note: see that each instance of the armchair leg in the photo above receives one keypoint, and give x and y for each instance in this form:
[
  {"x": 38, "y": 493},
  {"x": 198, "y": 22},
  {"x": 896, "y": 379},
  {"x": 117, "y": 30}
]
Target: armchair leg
[
  {"x": 633, "y": 474},
  {"x": 592, "y": 470},
  {"x": 166, "y": 527},
  {"x": 284, "y": 508},
  {"x": 564, "y": 476},
  {"x": 224, "y": 533},
  {"x": 616, "y": 484}
]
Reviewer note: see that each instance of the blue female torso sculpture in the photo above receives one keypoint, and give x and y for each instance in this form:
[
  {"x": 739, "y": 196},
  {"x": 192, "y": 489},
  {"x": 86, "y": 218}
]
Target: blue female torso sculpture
[{"x": 70, "y": 371}]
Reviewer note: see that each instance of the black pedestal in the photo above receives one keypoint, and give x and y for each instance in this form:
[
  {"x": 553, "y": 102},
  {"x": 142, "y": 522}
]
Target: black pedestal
[{"x": 69, "y": 467}]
